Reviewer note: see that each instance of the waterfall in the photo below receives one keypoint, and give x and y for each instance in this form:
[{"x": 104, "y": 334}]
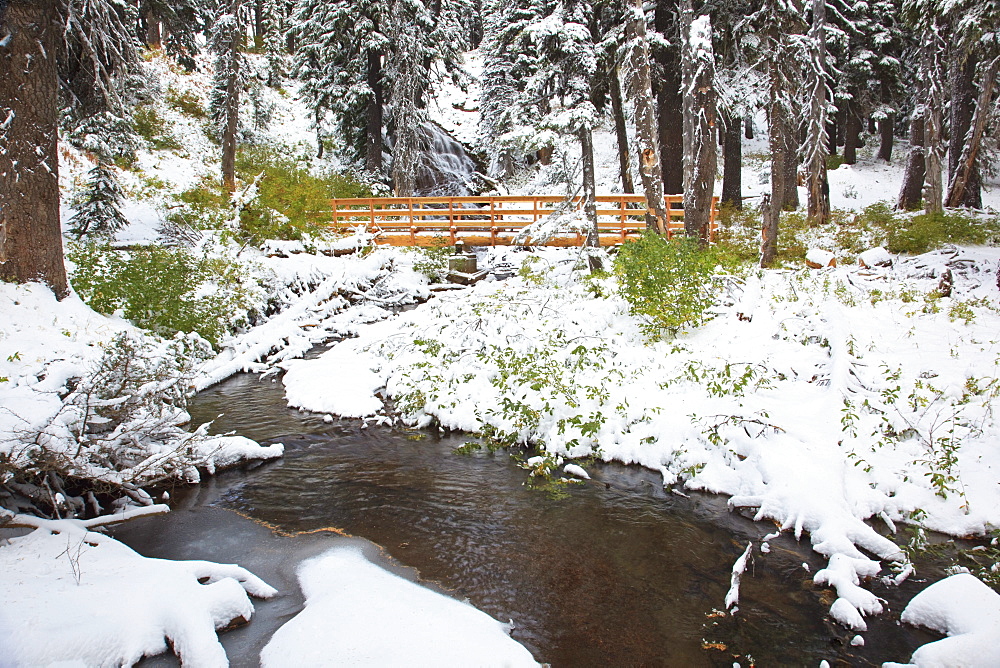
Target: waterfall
[{"x": 444, "y": 167}]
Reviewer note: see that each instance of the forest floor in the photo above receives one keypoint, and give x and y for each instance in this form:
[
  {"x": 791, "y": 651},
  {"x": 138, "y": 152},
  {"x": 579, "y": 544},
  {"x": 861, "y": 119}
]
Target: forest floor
[{"x": 845, "y": 404}]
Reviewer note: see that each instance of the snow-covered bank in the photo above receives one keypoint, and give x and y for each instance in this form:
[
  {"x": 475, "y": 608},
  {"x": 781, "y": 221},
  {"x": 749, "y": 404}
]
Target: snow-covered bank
[
  {"x": 358, "y": 614},
  {"x": 818, "y": 399},
  {"x": 79, "y": 598}
]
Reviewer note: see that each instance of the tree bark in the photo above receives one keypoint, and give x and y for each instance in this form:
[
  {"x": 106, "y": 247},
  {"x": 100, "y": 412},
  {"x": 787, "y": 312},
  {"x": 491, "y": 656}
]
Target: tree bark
[
  {"x": 621, "y": 132},
  {"x": 770, "y": 213},
  {"x": 700, "y": 143},
  {"x": 31, "y": 245},
  {"x": 966, "y": 181},
  {"x": 886, "y": 129},
  {"x": 732, "y": 163},
  {"x": 933, "y": 140},
  {"x": 645, "y": 121},
  {"x": 852, "y": 134},
  {"x": 374, "y": 114},
  {"x": 589, "y": 186},
  {"x": 669, "y": 101},
  {"x": 232, "y": 105},
  {"x": 818, "y": 200},
  {"x": 911, "y": 191},
  {"x": 154, "y": 38},
  {"x": 748, "y": 122}
]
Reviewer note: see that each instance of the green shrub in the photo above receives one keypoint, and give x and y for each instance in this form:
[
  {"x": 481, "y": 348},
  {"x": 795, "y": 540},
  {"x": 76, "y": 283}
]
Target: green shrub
[
  {"x": 150, "y": 126},
  {"x": 290, "y": 203},
  {"x": 432, "y": 261},
  {"x": 925, "y": 232},
  {"x": 164, "y": 290},
  {"x": 186, "y": 103},
  {"x": 739, "y": 233},
  {"x": 668, "y": 283}
]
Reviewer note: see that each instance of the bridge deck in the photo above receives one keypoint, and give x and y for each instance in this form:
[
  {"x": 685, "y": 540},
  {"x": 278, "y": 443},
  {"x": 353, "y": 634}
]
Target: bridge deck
[{"x": 493, "y": 221}]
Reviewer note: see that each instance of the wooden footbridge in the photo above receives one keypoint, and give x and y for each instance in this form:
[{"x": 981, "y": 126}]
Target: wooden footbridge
[{"x": 496, "y": 221}]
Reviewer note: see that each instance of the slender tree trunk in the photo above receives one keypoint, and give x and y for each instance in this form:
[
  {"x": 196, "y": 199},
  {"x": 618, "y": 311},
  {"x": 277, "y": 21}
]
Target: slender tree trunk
[
  {"x": 886, "y": 129},
  {"x": 374, "y": 114},
  {"x": 818, "y": 201},
  {"x": 933, "y": 140},
  {"x": 965, "y": 182},
  {"x": 852, "y": 134},
  {"x": 831, "y": 131},
  {"x": 30, "y": 234},
  {"x": 700, "y": 143},
  {"x": 770, "y": 214},
  {"x": 645, "y": 121},
  {"x": 154, "y": 39},
  {"x": 259, "y": 28},
  {"x": 670, "y": 102},
  {"x": 732, "y": 163},
  {"x": 748, "y": 122},
  {"x": 621, "y": 132},
  {"x": 911, "y": 191},
  {"x": 589, "y": 186},
  {"x": 232, "y": 106}
]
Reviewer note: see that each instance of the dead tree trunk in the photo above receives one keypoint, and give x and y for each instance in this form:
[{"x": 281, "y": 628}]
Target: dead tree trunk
[
  {"x": 966, "y": 173},
  {"x": 645, "y": 119},
  {"x": 700, "y": 153},
  {"x": 30, "y": 233},
  {"x": 621, "y": 131},
  {"x": 911, "y": 191}
]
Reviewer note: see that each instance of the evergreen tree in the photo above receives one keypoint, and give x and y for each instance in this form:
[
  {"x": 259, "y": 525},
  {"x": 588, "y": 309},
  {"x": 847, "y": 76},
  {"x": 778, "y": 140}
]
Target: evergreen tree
[
  {"x": 229, "y": 81},
  {"x": 817, "y": 90},
  {"x": 700, "y": 140},
  {"x": 98, "y": 207}
]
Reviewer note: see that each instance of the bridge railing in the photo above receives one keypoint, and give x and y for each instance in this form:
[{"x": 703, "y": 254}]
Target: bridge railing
[{"x": 492, "y": 221}]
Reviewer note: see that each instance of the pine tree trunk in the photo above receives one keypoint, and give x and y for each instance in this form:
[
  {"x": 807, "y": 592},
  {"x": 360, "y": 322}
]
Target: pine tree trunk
[
  {"x": 818, "y": 200},
  {"x": 589, "y": 186},
  {"x": 911, "y": 191},
  {"x": 748, "y": 122},
  {"x": 962, "y": 105},
  {"x": 258, "y": 24},
  {"x": 621, "y": 132},
  {"x": 965, "y": 183},
  {"x": 886, "y": 129},
  {"x": 154, "y": 39},
  {"x": 771, "y": 214},
  {"x": 732, "y": 163},
  {"x": 831, "y": 131},
  {"x": 700, "y": 143},
  {"x": 669, "y": 101},
  {"x": 645, "y": 121},
  {"x": 31, "y": 245},
  {"x": 374, "y": 114},
  {"x": 231, "y": 110},
  {"x": 933, "y": 139},
  {"x": 852, "y": 134}
]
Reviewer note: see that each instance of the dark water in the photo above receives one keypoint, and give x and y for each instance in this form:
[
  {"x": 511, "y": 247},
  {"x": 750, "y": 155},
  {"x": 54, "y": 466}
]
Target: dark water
[{"x": 617, "y": 571}]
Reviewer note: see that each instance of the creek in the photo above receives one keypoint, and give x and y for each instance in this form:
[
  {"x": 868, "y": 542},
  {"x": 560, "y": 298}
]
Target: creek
[{"x": 616, "y": 571}]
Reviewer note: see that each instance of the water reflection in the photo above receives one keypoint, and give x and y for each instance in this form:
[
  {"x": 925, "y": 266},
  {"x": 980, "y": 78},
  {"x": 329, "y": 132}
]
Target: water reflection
[{"x": 618, "y": 571}]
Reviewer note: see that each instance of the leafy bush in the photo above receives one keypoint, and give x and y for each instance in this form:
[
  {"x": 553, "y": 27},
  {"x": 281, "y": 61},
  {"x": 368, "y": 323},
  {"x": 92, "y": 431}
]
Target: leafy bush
[
  {"x": 432, "y": 261},
  {"x": 164, "y": 290},
  {"x": 926, "y": 232},
  {"x": 290, "y": 202},
  {"x": 150, "y": 126},
  {"x": 668, "y": 283},
  {"x": 186, "y": 103}
]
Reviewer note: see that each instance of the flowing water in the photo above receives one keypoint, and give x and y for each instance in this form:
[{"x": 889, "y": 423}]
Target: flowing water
[{"x": 616, "y": 571}]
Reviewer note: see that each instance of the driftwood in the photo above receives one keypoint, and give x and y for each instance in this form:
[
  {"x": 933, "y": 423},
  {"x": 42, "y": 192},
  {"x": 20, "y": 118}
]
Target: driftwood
[{"x": 11, "y": 521}]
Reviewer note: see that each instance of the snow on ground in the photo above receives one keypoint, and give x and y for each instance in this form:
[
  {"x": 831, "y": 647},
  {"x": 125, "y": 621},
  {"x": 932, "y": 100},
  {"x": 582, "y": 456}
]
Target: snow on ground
[
  {"x": 74, "y": 597},
  {"x": 358, "y": 614},
  {"x": 964, "y": 609},
  {"x": 818, "y": 399}
]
